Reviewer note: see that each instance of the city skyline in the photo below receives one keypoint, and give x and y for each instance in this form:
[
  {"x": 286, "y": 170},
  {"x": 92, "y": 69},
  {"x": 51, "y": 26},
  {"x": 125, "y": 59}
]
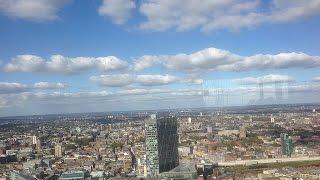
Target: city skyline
[{"x": 90, "y": 56}]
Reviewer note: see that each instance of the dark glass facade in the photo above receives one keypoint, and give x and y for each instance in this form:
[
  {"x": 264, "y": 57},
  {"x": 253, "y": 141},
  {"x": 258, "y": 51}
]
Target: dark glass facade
[
  {"x": 286, "y": 144},
  {"x": 167, "y": 144},
  {"x": 161, "y": 145}
]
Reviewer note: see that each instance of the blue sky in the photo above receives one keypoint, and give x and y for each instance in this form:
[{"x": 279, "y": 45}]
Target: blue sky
[{"x": 181, "y": 47}]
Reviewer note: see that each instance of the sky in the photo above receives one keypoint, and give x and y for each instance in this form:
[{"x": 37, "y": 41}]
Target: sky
[{"x": 69, "y": 56}]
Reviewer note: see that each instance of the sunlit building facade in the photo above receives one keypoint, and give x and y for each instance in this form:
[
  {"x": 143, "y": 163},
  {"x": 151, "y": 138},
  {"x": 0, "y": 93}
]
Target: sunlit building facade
[{"x": 152, "y": 158}]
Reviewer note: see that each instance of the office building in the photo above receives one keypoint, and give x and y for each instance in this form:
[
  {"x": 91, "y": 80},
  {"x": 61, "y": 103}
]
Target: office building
[
  {"x": 161, "y": 145},
  {"x": 34, "y": 140},
  {"x": 58, "y": 151},
  {"x": 271, "y": 119},
  {"x": 38, "y": 146},
  {"x": 152, "y": 158},
  {"x": 286, "y": 144}
]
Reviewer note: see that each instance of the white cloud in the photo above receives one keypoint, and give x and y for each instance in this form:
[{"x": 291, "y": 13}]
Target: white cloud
[
  {"x": 145, "y": 62},
  {"x": 209, "y": 59},
  {"x": 62, "y": 64},
  {"x": 213, "y": 59},
  {"x": 8, "y": 88},
  {"x": 205, "y": 59},
  {"x": 25, "y": 63},
  {"x": 120, "y": 80},
  {"x": 28, "y": 102},
  {"x": 95, "y": 97},
  {"x": 34, "y": 10},
  {"x": 97, "y": 94},
  {"x": 113, "y": 80},
  {"x": 317, "y": 79},
  {"x": 290, "y": 10},
  {"x": 192, "y": 81},
  {"x": 278, "y": 61},
  {"x": 3, "y": 102},
  {"x": 48, "y": 85},
  {"x": 154, "y": 80},
  {"x": 119, "y": 11},
  {"x": 222, "y": 14},
  {"x": 271, "y": 78},
  {"x": 14, "y": 87}
]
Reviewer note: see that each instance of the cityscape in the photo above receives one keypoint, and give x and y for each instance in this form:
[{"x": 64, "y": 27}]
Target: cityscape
[
  {"x": 266, "y": 142},
  {"x": 159, "y": 89}
]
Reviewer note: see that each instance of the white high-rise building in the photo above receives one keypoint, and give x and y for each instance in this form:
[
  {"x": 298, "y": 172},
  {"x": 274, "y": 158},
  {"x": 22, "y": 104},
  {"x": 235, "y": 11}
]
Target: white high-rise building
[
  {"x": 271, "y": 119},
  {"x": 152, "y": 158},
  {"x": 34, "y": 140}
]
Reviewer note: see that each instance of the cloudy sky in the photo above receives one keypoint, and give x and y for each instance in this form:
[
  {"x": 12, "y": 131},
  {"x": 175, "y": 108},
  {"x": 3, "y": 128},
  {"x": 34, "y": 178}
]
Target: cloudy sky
[{"x": 60, "y": 56}]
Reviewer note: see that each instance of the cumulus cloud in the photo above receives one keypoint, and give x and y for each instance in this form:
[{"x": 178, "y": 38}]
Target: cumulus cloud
[
  {"x": 14, "y": 87},
  {"x": 7, "y": 88},
  {"x": 285, "y": 10},
  {"x": 113, "y": 80},
  {"x": 119, "y": 11},
  {"x": 209, "y": 59},
  {"x": 192, "y": 81},
  {"x": 34, "y": 10},
  {"x": 62, "y": 64},
  {"x": 145, "y": 62},
  {"x": 221, "y": 14},
  {"x": 120, "y": 80},
  {"x": 25, "y": 63},
  {"x": 213, "y": 59},
  {"x": 205, "y": 59},
  {"x": 271, "y": 78},
  {"x": 278, "y": 61},
  {"x": 48, "y": 85},
  {"x": 152, "y": 80}
]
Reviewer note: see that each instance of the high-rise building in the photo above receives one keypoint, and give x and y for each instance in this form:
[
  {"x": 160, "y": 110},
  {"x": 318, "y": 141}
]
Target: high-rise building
[
  {"x": 38, "y": 146},
  {"x": 58, "y": 151},
  {"x": 167, "y": 144},
  {"x": 152, "y": 158},
  {"x": 34, "y": 140},
  {"x": 286, "y": 144},
  {"x": 271, "y": 119},
  {"x": 189, "y": 120},
  {"x": 161, "y": 145},
  {"x": 209, "y": 129}
]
